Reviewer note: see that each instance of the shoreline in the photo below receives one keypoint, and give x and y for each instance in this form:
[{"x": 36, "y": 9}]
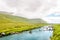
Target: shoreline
[{"x": 3, "y": 34}]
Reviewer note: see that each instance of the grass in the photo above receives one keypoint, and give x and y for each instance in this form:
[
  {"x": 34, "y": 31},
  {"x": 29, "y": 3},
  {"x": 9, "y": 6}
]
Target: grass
[
  {"x": 56, "y": 33},
  {"x": 17, "y": 27}
]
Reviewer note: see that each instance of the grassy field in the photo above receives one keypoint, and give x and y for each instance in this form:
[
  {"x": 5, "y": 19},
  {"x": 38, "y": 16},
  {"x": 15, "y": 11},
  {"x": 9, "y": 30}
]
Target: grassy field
[
  {"x": 56, "y": 33},
  {"x": 10, "y": 28}
]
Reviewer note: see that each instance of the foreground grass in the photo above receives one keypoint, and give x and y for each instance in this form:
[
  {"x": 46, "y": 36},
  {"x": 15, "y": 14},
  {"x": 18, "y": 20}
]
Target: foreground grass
[
  {"x": 10, "y": 28},
  {"x": 56, "y": 33}
]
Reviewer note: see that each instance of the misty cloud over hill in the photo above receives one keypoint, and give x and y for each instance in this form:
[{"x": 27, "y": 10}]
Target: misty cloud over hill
[{"x": 31, "y": 8}]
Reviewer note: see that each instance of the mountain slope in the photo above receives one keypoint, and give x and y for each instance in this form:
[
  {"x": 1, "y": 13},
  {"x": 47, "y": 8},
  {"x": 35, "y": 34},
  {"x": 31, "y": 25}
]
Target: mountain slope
[
  {"x": 37, "y": 21},
  {"x": 10, "y": 24},
  {"x": 6, "y": 17}
]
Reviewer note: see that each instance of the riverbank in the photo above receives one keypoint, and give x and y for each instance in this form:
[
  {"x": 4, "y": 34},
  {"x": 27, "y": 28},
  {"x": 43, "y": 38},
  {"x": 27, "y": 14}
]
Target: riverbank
[
  {"x": 14, "y": 28},
  {"x": 35, "y": 34},
  {"x": 56, "y": 32}
]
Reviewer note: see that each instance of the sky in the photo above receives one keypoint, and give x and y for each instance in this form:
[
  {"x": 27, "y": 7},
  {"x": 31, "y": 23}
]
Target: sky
[{"x": 48, "y": 10}]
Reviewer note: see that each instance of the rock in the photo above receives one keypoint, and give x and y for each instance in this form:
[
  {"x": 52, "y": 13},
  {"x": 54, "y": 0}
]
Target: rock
[
  {"x": 3, "y": 34},
  {"x": 30, "y": 32}
]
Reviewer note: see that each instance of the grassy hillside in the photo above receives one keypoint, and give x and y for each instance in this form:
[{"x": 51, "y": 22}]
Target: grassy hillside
[
  {"x": 56, "y": 33},
  {"x": 10, "y": 18},
  {"x": 37, "y": 21},
  {"x": 12, "y": 24}
]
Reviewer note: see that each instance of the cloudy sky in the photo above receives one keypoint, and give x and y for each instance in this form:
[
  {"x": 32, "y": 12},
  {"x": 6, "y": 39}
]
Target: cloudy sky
[{"x": 48, "y": 10}]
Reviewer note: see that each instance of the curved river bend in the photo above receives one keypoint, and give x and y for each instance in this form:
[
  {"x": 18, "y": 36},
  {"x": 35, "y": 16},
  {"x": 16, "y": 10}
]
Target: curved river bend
[{"x": 37, "y": 34}]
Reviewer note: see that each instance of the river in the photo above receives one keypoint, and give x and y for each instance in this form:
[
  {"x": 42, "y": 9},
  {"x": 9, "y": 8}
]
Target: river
[{"x": 36, "y": 34}]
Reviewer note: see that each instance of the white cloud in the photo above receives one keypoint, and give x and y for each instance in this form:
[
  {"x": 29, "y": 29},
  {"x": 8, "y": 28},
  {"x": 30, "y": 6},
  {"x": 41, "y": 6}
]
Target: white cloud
[
  {"x": 52, "y": 19},
  {"x": 5, "y": 7},
  {"x": 31, "y": 8}
]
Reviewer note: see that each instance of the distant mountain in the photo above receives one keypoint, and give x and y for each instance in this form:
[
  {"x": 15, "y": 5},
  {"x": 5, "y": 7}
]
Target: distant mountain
[
  {"x": 8, "y": 17},
  {"x": 37, "y": 21}
]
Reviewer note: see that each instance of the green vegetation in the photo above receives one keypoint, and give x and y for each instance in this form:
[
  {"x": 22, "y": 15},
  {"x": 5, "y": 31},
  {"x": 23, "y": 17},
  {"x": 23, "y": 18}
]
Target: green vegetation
[
  {"x": 56, "y": 33},
  {"x": 10, "y": 24},
  {"x": 17, "y": 27},
  {"x": 6, "y": 17}
]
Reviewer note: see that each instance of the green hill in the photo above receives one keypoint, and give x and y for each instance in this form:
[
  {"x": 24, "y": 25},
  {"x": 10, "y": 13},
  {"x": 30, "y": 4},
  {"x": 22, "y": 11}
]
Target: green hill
[
  {"x": 37, "y": 21},
  {"x": 10, "y": 24},
  {"x": 6, "y": 17}
]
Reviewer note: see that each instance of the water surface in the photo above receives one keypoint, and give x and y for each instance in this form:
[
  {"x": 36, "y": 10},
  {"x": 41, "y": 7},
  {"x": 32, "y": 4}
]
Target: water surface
[{"x": 36, "y": 34}]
